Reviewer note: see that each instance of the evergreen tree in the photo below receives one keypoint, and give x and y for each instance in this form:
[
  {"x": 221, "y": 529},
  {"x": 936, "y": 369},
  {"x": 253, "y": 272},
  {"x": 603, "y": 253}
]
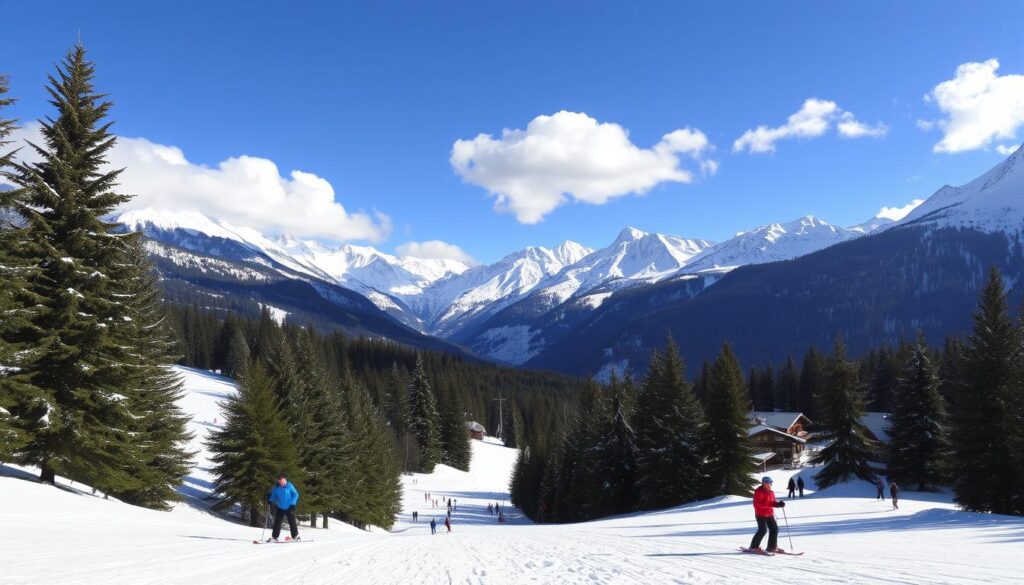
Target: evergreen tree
[
  {"x": 253, "y": 447},
  {"x": 455, "y": 446},
  {"x": 847, "y": 452},
  {"x": 670, "y": 430},
  {"x": 950, "y": 376},
  {"x": 14, "y": 308},
  {"x": 765, "y": 398},
  {"x": 423, "y": 419},
  {"x": 918, "y": 432},
  {"x": 700, "y": 385},
  {"x": 985, "y": 408},
  {"x": 614, "y": 455},
  {"x": 787, "y": 391},
  {"x": 576, "y": 461},
  {"x": 730, "y": 461},
  {"x": 812, "y": 383},
  {"x": 157, "y": 425},
  {"x": 78, "y": 421},
  {"x": 884, "y": 381},
  {"x": 237, "y": 355}
]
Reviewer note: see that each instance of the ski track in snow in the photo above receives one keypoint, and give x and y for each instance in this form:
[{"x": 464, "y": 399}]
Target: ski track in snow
[{"x": 67, "y": 536}]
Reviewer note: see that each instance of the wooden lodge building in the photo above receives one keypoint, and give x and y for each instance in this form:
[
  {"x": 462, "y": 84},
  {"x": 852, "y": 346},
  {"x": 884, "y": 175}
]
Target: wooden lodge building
[{"x": 779, "y": 437}]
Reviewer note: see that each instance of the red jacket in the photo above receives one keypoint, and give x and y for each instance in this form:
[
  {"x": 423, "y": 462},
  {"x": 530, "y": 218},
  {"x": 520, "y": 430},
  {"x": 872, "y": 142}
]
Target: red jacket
[{"x": 764, "y": 502}]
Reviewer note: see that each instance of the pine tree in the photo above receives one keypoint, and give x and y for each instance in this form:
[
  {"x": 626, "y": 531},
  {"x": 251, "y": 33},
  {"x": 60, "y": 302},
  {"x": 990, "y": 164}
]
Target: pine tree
[
  {"x": 670, "y": 431},
  {"x": 730, "y": 461},
  {"x": 13, "y": 306},
  {"x": 157, "y": 425},
  {"x": 765, "y": 398},
  {"x": 787, "y": 391},
  {"x": 985, "y": 408},
  {"x": 253, "y": 447},
  {"x": 614, "y": 456},
  {"x": 847, "y": 452},
  {"x": 918, "y": 445},
  {"x": 78, "y": 421},
  {"x": 237, "y": 355},
  {"x": 576, "y": 462},
  {"x": 884, "y": 381},
  {"x": 423, "y": 418},
  {"x": 812, "y": 383},
  {"x": 455, "y": 446}
]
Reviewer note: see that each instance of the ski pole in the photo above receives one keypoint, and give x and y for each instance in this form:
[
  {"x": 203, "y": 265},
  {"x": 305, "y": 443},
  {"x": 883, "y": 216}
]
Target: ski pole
[
  {"x": 266, "y": 519},
  {"x": 787, "y": 529}
]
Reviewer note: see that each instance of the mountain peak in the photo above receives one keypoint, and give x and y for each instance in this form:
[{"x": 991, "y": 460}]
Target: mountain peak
[{"x": 630, "y": 234}]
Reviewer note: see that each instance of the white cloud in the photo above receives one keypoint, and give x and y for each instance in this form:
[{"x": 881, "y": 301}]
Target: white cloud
[
  {"x": 814, "y": 119},
  {"x": 926, "y": 125},
  {"x": 570, "y": 156},
  {"x": 1007, "y": 149},
  {"x": 850, "y": 127},
  {"x": 980, "y": 107},
  {"x": 434, "y": 250},
  {"x": 243, "y": 190},
  {"x": 898, "y": 213}
]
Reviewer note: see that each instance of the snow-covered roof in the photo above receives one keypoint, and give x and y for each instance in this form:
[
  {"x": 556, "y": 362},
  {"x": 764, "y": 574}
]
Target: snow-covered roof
[
  {"x": 782, "y": 420},
  {"x": 475, "y": 426},
  {"x": 878, "y": 424},
  {"x": 758, "y": 429},
  {"x": 762, "y": 457}
]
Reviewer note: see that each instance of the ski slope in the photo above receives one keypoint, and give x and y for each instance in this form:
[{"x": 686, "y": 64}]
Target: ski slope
[{"x": 65, "y": 535}]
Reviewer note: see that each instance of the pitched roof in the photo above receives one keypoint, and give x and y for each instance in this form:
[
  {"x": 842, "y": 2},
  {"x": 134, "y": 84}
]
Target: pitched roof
[
  {"x": 878, "y": 424},
  {"x": 475, "y": 426},
  {"x": 758, "y": 429},
  {"x": 782, "y": 420}
]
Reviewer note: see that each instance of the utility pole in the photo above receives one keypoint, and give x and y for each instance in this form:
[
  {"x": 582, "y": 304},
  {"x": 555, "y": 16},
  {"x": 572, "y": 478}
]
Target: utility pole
[{"x": 501, "y": 418}]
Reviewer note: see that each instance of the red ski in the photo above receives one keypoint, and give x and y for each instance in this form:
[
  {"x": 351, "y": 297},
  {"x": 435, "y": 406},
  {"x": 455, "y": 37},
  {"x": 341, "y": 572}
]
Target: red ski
[{"x": 755, "y": 551}]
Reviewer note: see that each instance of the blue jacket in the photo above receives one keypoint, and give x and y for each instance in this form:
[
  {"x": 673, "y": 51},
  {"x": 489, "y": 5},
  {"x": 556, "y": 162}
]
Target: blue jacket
[{"x": 283, "y": 497}]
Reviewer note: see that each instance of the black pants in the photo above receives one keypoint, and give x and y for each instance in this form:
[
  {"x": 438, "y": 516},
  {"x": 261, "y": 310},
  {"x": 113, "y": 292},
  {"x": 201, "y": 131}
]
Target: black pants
[
  {"x": 792, "y": 491},
  {"x": 766, "y": 524},
  {"x": 279, "y": 515}
]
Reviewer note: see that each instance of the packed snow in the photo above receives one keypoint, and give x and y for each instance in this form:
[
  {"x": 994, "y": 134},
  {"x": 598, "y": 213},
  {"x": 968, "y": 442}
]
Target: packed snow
[{"x": 66, "y": 535}]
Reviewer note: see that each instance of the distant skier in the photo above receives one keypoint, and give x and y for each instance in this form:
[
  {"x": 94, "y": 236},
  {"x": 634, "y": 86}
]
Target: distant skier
[
  {"x": 448, "y": 522},
  {"x": 800, "y": 485},
  {"x": 284, "y": 496},
  {"x": 791, "y": 487},
  {"x": 881, "y": 489},
  {"x": 894, "y": 490},
  {"x": 490, "y": 508},
  {"x": 764, "y": 513},
  {"x": 433, "y": 525},
  {"x": 415, "y": 516}
]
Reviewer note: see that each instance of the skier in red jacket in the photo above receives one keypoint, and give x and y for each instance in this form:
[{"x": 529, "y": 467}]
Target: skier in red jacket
[{"x": 764, "y": 513}]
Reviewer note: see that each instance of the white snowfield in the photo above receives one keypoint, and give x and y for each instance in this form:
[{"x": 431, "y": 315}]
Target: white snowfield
[{"x": 67, "y": 536}]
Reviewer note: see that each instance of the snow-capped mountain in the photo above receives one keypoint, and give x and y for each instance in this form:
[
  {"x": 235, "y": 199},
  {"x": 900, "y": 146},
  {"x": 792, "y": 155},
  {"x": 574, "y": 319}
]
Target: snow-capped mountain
[
  {"x": 772, "y": 243},
  {"x": 481, "y": 290},
  {"x": 994, "y": 202}
]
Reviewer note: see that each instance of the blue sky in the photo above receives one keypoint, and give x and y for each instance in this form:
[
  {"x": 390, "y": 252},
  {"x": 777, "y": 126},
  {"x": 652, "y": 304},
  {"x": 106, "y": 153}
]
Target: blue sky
[{"x": 371, "y": 97}]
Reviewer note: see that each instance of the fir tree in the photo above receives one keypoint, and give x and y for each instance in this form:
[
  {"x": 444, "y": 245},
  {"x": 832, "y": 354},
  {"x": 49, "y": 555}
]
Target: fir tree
[
  {"x": 700, "y": 385},
  {"x": 670, "y": 430},
  {"x": 918, "y": 445},
  {"x": 158, "y": 426},
  {"x": 787, "y": 391},
  {"x": 985, "y": 408},
  {"x": 455, "y": 446},
  {"x": 576, "y": 461},
  {"x": 812, "y": 383},
  {"x": 237, "y": 355},
  {"x": 78, "y": 422},
  {"x": 884, "y": 381},
  {"x": 614, "y": 456},
  {"x": 765, "y": 398},
  {"x": 730, "y": 461},
  {"x": 13, "y": 306},
  {"x": 842, "y": 407},
  {"x": 253, "y": 447},
  {"x": 423, "y": 419}
]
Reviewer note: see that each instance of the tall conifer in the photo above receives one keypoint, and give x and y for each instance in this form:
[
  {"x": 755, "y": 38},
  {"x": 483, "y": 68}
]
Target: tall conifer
[
  {"x": 842, "y": 406},
  {"x": 730, "y": 460}
]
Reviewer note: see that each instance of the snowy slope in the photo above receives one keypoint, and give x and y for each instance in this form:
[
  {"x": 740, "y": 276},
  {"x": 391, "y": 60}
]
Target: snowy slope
[
  {"x": 992, "y": 202},
  {"x": 66, "y": 536}
]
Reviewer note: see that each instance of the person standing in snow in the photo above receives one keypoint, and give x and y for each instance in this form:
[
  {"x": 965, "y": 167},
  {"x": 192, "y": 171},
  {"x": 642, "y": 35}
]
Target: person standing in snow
[
  {"x": 764, "y": 513},
  {"x": 881, "y": 489},
  {"x": 894, "y": 491},
  {"x": 448, "y": 522},
  {"x": 791, "y": 487},
  {"x": 800, "y": 485},
  {"x": 284, "y": 497},
  {"x": 415, "y": 516},
  {"x": 433, "y": 525}
]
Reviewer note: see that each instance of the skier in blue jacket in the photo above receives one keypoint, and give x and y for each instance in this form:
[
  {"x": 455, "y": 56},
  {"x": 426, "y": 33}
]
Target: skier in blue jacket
[{"x": 284, "y": 496}]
